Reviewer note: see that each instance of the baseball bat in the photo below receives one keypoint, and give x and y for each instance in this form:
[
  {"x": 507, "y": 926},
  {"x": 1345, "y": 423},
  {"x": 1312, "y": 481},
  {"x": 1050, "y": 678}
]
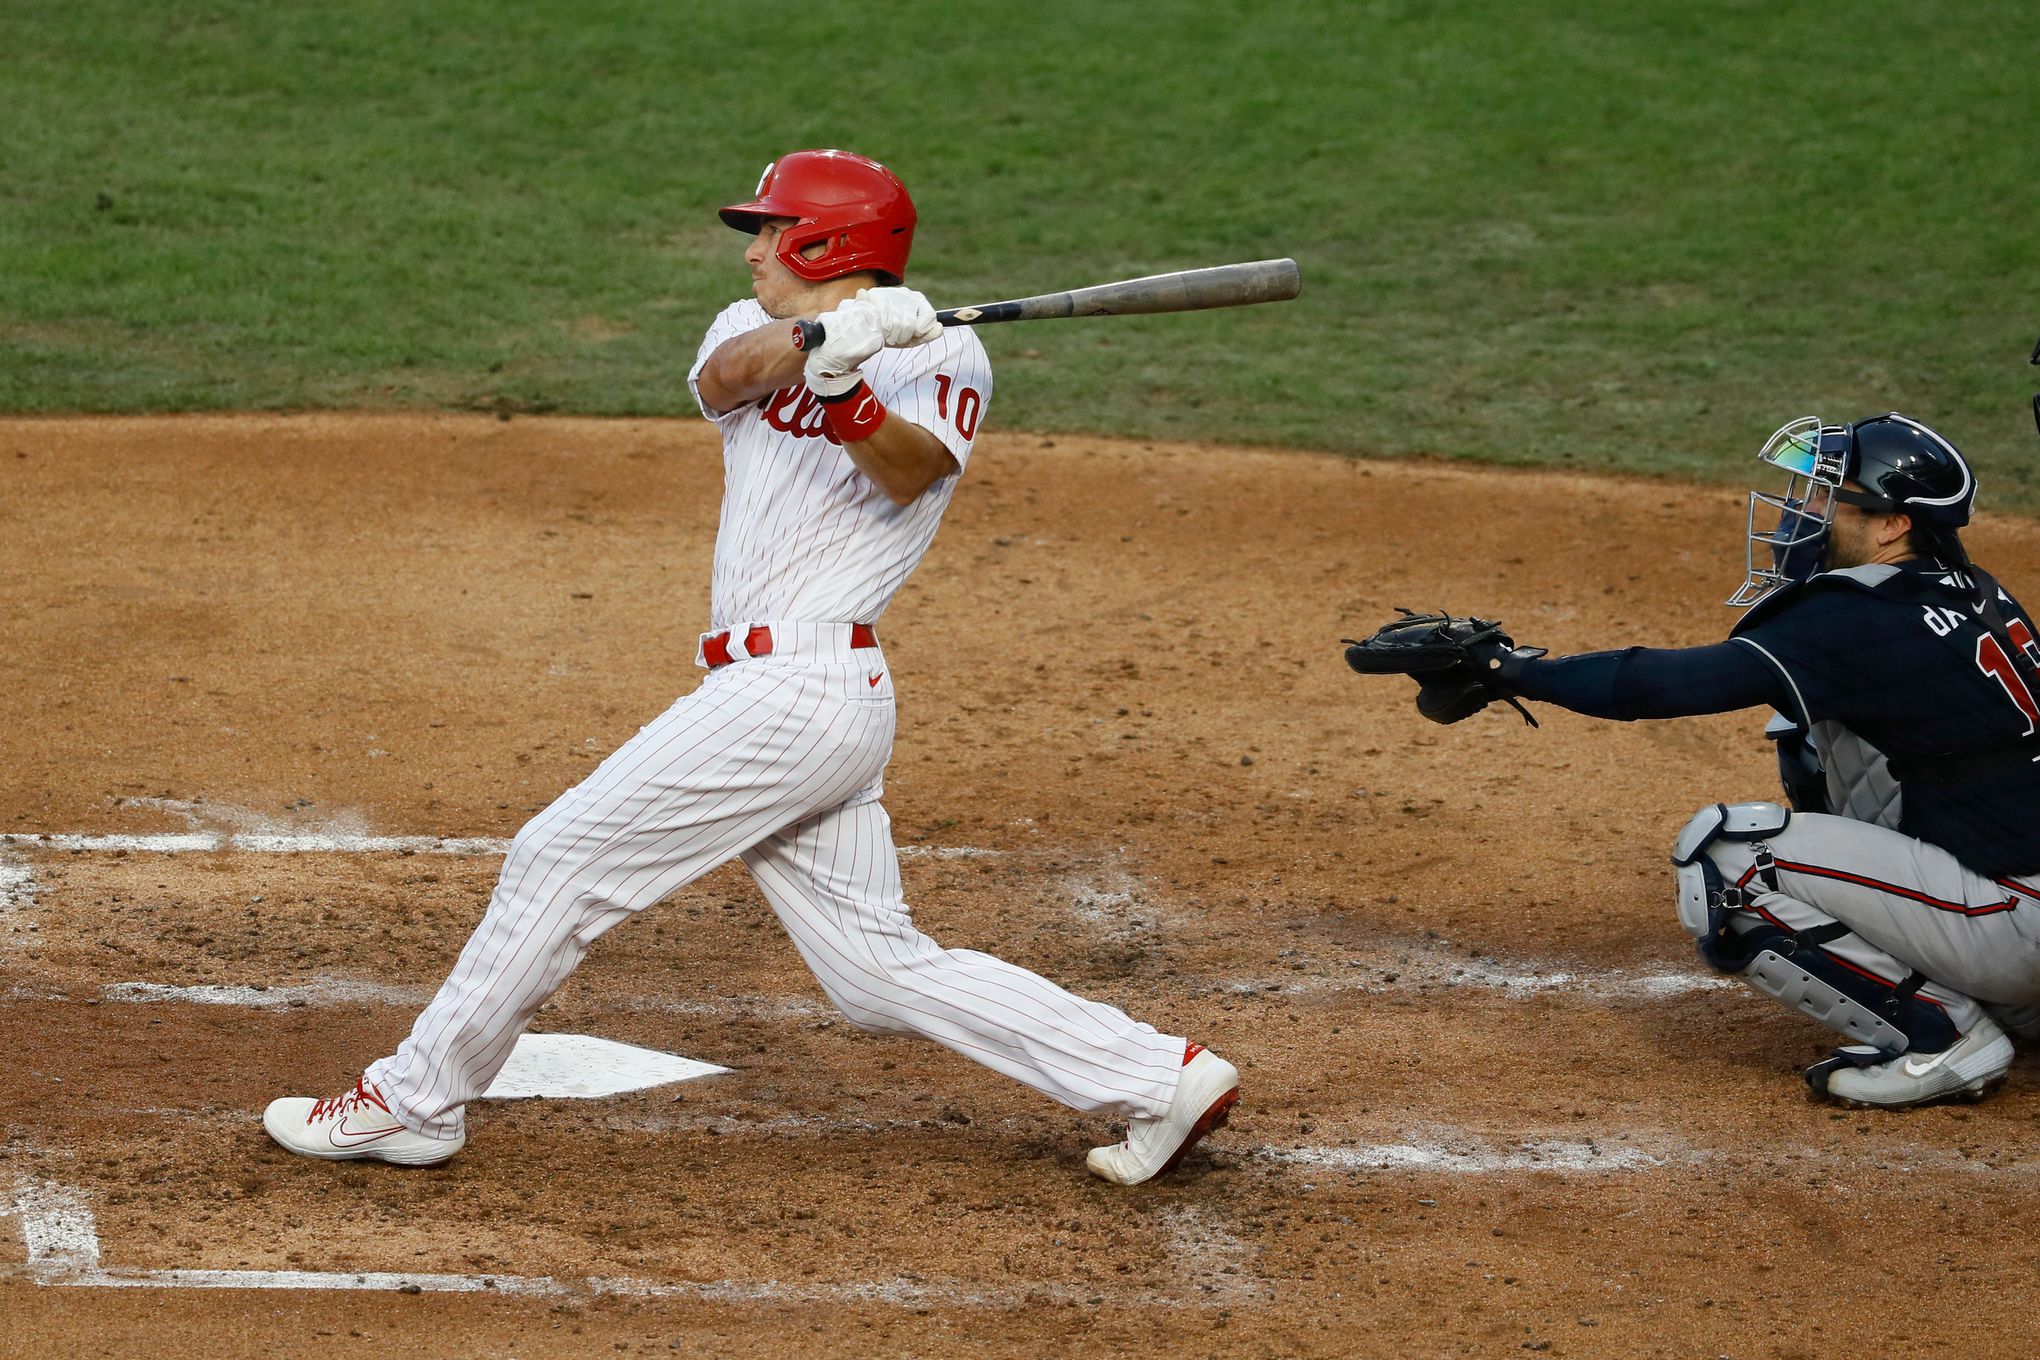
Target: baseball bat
[{"x": 1187, "y": 290}]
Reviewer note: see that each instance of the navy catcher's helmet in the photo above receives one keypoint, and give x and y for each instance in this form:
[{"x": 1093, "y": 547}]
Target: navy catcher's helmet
[
  {"x": 1907, "y": 469},
  {"x": 1902, "y": 466}
]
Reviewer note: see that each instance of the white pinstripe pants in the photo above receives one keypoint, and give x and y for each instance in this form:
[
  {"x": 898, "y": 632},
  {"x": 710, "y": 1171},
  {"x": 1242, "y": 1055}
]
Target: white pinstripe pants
[{"x": 779, "y": 762}]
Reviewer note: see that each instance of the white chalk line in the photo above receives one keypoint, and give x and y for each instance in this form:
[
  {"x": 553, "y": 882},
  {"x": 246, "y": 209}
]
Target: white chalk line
[
  {"x": 748, "y": 1007},
  {"x": 248, "y": 832},
  {"x": 211, "y": 827},
  {"x": 1532, "y": 1155},
  {"x": 1419, "y": 975},
  {"x": 17, "y": 886},
  {"x": 328, "y": 992},
  {"x": 57, "y": 1225},
  {"x": 360, "y": 992},
  {"x": 327, "y": 843},
  {"x": 102, "y": 1278},
  {"x": 60, "y": 1233},
  {"x": 1434, "y": 1151},
  {"x": 1111, "y": 901},
  {"x": 1456, "y": 1152},
  {"x": 18, "y": 890},
  {"x": 906, "y": 1293},
  {"x": 62, "y": 1239},
  {"x": 259, "y": 843},
  {"x": 1614, "y": 984}
]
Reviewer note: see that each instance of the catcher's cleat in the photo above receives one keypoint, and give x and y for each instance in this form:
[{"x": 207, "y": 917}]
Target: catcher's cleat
[
  {"x": 1965, "y": 1070},
  {"x": 357, "y": 1126},
  {"x": 1205, "y": 1095}
]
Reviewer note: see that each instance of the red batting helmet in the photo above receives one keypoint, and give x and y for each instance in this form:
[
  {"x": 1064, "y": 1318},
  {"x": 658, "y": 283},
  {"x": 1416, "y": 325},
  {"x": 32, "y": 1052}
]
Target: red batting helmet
[{"x": 854, "y": 205}]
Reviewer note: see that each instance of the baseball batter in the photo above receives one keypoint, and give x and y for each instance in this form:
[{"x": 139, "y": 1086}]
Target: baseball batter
[
  {"x": 1898, "y": 900},
  {"x": 838, "y": 464}
]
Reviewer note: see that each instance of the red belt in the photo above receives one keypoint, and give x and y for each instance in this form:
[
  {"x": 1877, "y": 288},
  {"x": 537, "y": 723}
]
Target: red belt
[{"x": 758, "y": 642}]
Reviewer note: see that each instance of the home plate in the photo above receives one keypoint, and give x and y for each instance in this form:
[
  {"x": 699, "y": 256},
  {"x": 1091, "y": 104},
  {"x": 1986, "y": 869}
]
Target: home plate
[{"x": 580, "y": 1066}]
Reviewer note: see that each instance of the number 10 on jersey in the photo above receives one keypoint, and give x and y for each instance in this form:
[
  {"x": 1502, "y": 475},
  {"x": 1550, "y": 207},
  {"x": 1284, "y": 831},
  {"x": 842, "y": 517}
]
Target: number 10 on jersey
[{"x": 969, "y": 405}]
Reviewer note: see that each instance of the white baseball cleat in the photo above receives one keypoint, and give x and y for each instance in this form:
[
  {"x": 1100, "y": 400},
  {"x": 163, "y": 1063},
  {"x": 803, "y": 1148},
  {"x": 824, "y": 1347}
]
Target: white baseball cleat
[
  {"x": 1962, "y": 1071},
  {"x": 1205, "y": 1095},
  {"x": 357, "y": 1126}
]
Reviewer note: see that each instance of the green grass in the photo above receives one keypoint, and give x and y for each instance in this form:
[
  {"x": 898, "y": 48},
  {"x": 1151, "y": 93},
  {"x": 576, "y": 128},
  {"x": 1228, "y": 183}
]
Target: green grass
[{"x": 1618, "y": 235}]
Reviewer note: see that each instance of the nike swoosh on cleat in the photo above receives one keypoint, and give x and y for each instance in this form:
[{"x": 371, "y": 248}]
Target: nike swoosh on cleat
[
  {"x": 342, "y": 1136},
  {"x": 1929, "y": 1065}
]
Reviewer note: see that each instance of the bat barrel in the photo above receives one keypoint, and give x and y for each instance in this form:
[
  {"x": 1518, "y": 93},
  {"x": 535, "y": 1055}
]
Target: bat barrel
[
  {"x": 1193, "y": 290},
  {"x": 1189, "y": 290}
]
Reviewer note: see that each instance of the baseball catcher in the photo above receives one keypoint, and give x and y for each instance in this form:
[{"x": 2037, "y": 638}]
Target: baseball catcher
[{"x": 1895, "y": 895}]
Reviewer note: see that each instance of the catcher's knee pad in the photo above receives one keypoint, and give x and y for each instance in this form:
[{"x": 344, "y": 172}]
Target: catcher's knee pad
[
  {"x": 1853, "y": 1004},
  {"x": 1704, "y": 897}
]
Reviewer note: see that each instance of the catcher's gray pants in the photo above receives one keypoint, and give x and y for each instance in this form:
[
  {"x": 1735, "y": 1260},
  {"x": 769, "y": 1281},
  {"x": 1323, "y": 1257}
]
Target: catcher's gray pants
[
  {"x": 778, "y": 760},
  {"x": 1910, "y": 905}
]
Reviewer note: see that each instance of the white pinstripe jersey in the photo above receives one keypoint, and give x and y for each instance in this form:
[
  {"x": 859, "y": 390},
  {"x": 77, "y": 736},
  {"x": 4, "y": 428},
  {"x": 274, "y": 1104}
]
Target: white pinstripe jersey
[{"x": 804, "y": 535}]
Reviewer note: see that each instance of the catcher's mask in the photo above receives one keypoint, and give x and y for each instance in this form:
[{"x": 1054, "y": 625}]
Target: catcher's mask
[
  {"x": 1901, "y": 466},
  {"x": 1815, "y": 459}
]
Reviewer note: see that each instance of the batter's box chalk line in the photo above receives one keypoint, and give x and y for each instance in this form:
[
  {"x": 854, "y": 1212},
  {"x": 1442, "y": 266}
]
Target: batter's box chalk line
[
  {"x": 1450, "y": 1151},
  {"x": 1456, "y": 1157},
  {"x": 1442, "y": 964},
  {"x": 258, "y": 843},
  {"x": 325, "y": 991},
  {"x": 17, "y": 885},
  {"x": 283, "y": 841},
  {"x": 61, "y": 1236}
]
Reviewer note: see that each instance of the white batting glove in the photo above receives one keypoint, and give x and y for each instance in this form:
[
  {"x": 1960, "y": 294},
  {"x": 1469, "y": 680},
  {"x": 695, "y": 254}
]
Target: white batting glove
[
  {"x": 851, "y": 335},
  {"x": 903, "y": 314}
]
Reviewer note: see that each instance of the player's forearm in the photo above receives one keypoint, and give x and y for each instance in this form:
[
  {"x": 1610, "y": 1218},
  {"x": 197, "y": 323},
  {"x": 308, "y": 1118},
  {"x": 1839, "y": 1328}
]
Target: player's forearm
[
  {"x": 1649, "y": 682},
  {"x": 902, "y": 459},
  {"x": 749, "y": 366}
]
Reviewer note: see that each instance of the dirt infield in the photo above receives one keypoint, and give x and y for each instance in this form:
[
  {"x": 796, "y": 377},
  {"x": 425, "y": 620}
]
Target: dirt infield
[{"x": 1493, "y": 1106}]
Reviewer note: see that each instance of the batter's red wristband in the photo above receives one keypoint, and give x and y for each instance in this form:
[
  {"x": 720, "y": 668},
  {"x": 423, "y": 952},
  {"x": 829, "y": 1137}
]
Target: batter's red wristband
[{"x": 855, "y": 416}]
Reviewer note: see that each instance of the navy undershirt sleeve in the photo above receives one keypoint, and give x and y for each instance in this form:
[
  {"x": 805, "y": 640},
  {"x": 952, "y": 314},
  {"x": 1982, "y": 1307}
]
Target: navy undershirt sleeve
[{"x": 1654, "y": 682}]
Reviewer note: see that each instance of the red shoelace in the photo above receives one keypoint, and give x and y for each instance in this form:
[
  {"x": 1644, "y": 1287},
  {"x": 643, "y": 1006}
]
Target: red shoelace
[{"x": 341, "y": 1104}]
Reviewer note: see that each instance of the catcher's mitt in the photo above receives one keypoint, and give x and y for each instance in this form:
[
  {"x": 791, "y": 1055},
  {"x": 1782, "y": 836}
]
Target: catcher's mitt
[{"x": 1455, "y": 662}]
